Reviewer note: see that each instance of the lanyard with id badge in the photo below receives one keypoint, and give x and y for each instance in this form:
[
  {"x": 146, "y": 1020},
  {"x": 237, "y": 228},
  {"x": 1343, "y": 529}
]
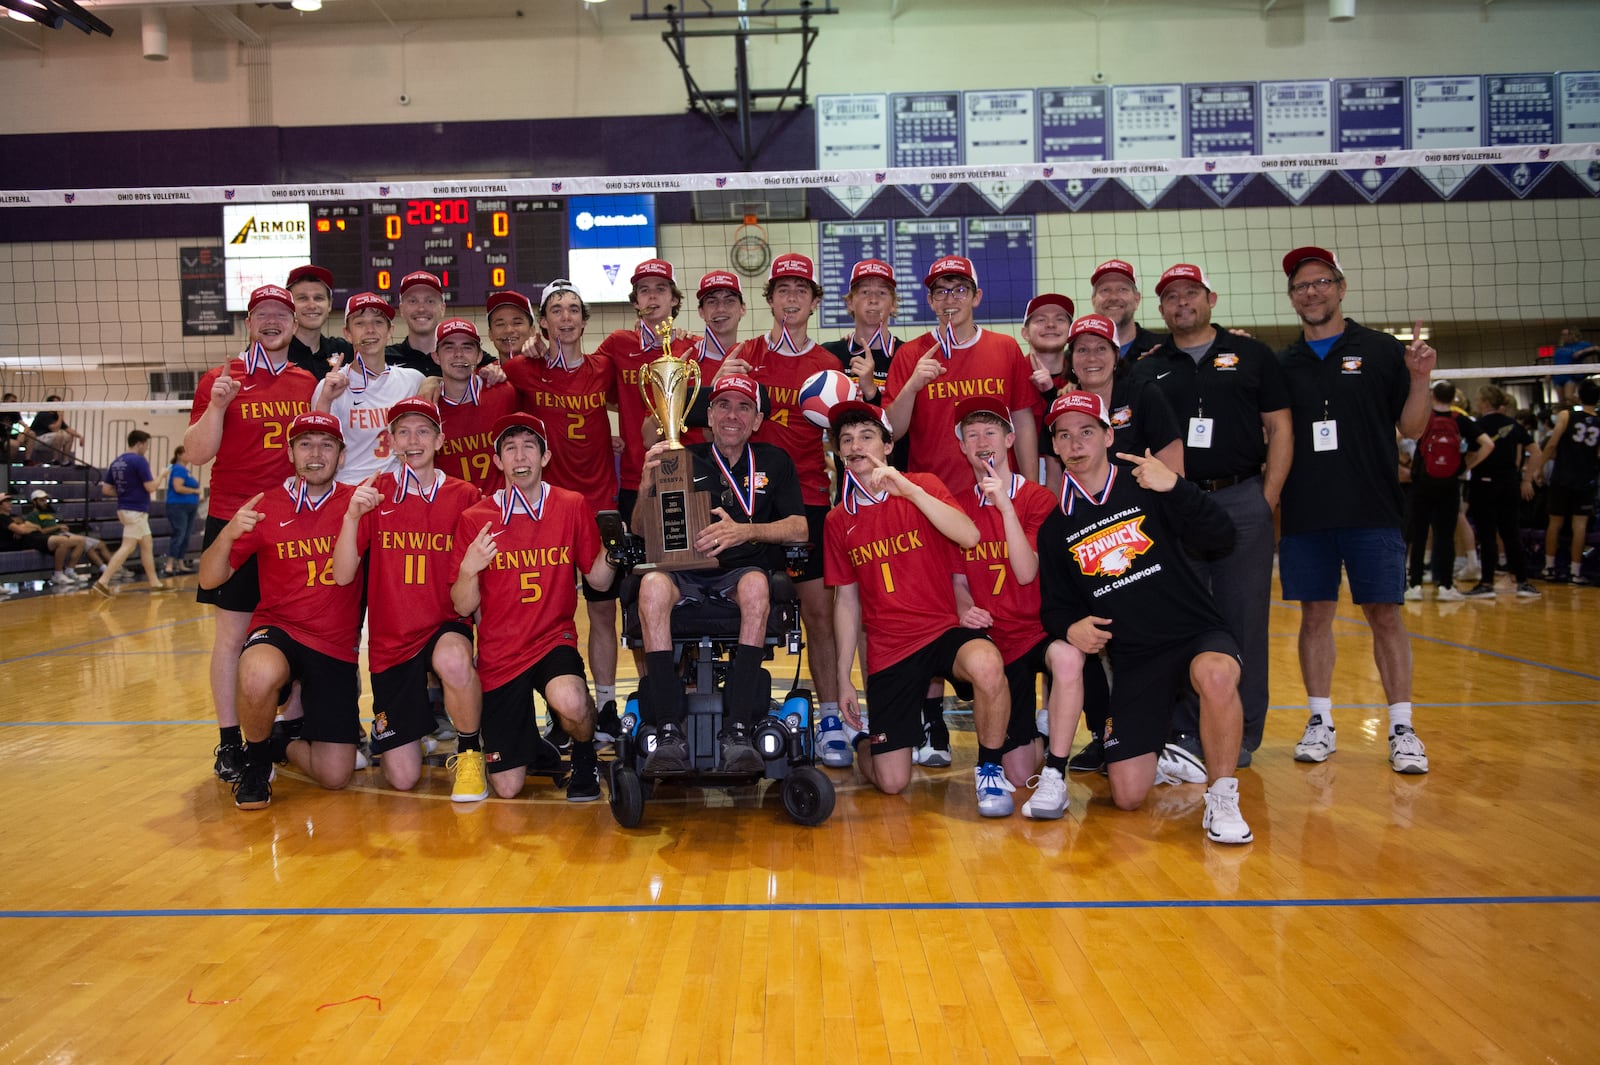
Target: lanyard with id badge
[
  {"x": 1200, "y": 427},
  {"x": 1325, "y": 434}
]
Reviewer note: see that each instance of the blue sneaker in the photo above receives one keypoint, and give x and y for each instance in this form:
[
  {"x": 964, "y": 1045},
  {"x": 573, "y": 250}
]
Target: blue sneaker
[
  {"x": 833, "y": 745},
  {"x": 994, "y": 790}
]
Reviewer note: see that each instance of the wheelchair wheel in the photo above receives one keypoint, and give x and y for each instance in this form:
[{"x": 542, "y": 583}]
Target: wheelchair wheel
[
  {"x": 808, "y": 795},
  {"x": 627, "y": 797}
]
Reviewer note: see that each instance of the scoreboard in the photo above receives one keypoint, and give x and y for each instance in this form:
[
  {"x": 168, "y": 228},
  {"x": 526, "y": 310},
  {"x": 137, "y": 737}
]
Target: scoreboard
[{"x": 475, "y": 246}]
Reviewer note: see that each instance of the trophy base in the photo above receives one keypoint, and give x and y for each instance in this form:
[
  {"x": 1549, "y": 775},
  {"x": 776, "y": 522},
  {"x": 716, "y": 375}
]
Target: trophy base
[{"x": 672, "y": 514}]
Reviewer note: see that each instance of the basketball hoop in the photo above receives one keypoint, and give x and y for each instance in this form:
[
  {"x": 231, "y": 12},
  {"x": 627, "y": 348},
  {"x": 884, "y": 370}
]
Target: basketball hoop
[{"x": 750, "y": 252}]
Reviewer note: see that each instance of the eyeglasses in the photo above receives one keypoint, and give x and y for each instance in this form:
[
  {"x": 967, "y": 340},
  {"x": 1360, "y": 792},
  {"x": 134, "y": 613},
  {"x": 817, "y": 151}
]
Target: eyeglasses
[
  {"x": 1321, "y": 284},
  {"x": 952, "y": 292}
]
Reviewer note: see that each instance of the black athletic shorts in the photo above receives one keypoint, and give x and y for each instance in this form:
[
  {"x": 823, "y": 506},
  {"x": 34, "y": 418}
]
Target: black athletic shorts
[
  {"x": 1147, "y": 688},
  {"x": 241, "y": 592},
  {"x": 401, "y": 711},
  {"x": 511, "y": 737},
  {"x": 1021, "y": 676},
  {"x": 328, "y": 688},
  {"x": 1567, "y": 501},
  {"x": 895, "y": 693}
]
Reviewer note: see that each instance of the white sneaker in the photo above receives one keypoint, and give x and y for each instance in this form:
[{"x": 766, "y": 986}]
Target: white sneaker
[
  {"x": 1406, "y": 753},
  {"x": 1041, "y": 721},
  {"x": 1223, "y": 822},
  {"x": 931, "y": 757},
  {"x": 1049, "y": 799},
  {"x": 1449, "y": 594},
  {"x": 61, "y": 579},
  {"x": 994, "y": 790},
  {"x": 833, "y": 745},
  {"x": 1468, "y": 570},
  {"x": 1318, "y": 742},
  {"x": 1179, "y": 764},
  {"x": 1414, "y": 594}
]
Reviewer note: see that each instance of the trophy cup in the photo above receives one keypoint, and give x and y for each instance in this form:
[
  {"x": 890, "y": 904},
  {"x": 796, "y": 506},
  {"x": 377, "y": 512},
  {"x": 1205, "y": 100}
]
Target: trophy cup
[{"x": 671, "y": 512}]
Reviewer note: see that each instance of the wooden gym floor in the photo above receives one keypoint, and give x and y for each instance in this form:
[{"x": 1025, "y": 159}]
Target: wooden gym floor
[{"x": 1447, "y": 918}]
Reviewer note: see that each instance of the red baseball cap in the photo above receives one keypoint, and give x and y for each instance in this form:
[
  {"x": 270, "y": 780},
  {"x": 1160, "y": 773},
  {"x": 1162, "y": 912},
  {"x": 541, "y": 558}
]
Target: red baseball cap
[
  {"x": 310, "y": 273},
  {"x": 1078, "y": 402},
  {"x": 793, "y": 264},
  {"x": 454, "y": 327},
  {"x": 421, "y": 277},
  {"x": 363, "y": 300},
  {"x": 316, "y": 421},
  {"x": 652, "y": 268},
  {"x": 521, "y": 420},
  {"x": 414, "y": 405},
  {"x": 1182, "y": 272},
  {"x": 1095, "y": 324},
  {"x": 871, "y": 268},
  {"x": 507, "y": 298},
  {"x": 719, "y": 279},
  {"x": 858, "y": 406},
  {"x": 1048, "y": 299},
  {"x": 1297, "y": 258},
  {"x": 270, "y": 293},
  {"x": 966, "y": 408},
  {"x": 957, "y": 265},
  {"x": 735, "y": 382},
  {"x": 1113, "y": 266}
]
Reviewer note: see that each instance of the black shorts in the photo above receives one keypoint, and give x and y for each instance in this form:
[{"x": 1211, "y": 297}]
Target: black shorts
[
  {"x": 511, "y": 737},
  {"x": 401, "y": 710},
  {"x": 240, "y": 593},
  {"x": 699, "y": 585},
  {"x": 815, "y": 518},
  {"x": 1021, "y": 676},
  {"x": 1146, "y": 689},
  {"x": 895, "y": 694},
  {"x": 1568, "y": 502},
  {"x": 328, "y": 688}
]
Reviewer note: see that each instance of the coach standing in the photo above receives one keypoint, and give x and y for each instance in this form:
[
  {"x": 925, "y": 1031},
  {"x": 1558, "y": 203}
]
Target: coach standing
[
  {"x": 1349, "y": 386},
  {"x": 1232, "y": 404}
]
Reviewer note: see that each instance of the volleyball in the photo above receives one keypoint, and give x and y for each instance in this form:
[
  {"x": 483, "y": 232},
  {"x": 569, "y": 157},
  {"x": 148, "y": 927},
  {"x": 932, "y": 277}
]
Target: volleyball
[{"x": 822, "y": 390}]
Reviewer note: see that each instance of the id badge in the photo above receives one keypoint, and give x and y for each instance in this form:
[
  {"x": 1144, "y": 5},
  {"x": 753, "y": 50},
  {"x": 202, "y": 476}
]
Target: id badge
[
  {"x": 1325, "y": 436},
  {"x": 1199, "y": 432}
]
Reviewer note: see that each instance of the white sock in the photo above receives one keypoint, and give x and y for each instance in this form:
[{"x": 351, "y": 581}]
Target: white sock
[
  {"x": 1549, "y": 562},
  {"x": 1321, "y": 706},
  {"x": 603, "y": 694},
  {"x": 827, "y": 709},
  {"x": 1399, "y": 714}
]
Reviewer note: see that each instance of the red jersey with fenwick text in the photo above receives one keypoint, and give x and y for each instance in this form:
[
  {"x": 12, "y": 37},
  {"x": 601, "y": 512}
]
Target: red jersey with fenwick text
[
  {"x": 293, "y": 548},
  {"x": 409, "y": 544},
  {"x": 572, "y": 403},
  {"x": 994, "y": 585},
  {"x": 626, "y": 351},
  {"x": 902, "y": 568},
  {"x": 253, "y": 455},
  {"x": 782, "y": 373},
  {"x": 530, "y": 590},
  {"x": 467, "y": 423}
]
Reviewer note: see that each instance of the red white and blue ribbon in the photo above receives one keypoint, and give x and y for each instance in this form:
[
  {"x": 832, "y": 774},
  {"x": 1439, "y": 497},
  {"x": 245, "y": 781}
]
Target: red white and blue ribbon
[
  {"x": 784, "y": 341},
  {"x": 747, "y": 501},
  {"x": 256, "y": 359},
  {"x": 512, "y": 501},
  {"x": 648, "y": 340},
  {"x": 946, "y": 338},
  {"x": 1070, "y": 489},
  {"x": 1011, "y": 491},
  {"x": 360, "y": 375},
  {"x": 711, "y": 338},
  {"x": 408, "y": 483},
  {"x": 555, "y": 358},
  {"x": 886, "y": 344},
  {"x": 297, "y": 487},
  {"x": 856, "y": 494},
  {"x": 469, "y": 398}
]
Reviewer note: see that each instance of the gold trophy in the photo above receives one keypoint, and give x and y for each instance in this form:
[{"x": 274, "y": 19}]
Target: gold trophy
[{"x": 671, "y": 513}]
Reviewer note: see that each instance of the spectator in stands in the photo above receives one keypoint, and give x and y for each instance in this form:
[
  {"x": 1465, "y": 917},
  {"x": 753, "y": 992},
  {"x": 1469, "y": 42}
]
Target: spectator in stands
[
  {"x": 1450, "y": 444},
  {"x": 129, "y": 479},
  {"x": 183, "y": 501},
  {"x": 41, "y": 511},
  {"x": 52, "y": 440},
  {"x": 20, "y": 534},
  {"x": 1495, "y": 493},
  {"x": 11, "y": 430}
]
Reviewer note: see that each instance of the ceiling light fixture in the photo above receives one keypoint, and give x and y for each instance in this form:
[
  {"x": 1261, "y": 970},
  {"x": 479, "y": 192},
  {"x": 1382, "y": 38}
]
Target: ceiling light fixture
[{"x": 307, "y": 5}]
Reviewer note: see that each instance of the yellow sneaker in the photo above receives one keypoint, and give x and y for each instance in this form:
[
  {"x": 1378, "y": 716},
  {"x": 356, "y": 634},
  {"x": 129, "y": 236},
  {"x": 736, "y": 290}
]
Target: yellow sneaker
[{"x": 471, "y": 785}]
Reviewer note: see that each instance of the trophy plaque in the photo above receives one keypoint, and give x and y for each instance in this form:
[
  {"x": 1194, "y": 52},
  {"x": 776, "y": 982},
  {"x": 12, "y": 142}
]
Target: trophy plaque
[{"x": 671, "y": 513}]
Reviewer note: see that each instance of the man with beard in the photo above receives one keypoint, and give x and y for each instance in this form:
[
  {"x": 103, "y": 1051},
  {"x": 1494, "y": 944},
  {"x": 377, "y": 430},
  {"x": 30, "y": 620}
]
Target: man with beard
[{"x": 1116, "y": 296}]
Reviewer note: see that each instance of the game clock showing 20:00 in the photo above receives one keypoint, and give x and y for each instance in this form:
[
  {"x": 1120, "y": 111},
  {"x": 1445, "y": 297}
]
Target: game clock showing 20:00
[{"x": 475, "y": 246}]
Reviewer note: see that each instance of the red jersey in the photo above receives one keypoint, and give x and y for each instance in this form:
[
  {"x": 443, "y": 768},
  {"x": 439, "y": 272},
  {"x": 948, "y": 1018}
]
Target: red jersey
[
  {"x": 468, "y": 450},
  {"x": 901, "y": 565},
  {"x": 990, "y": 364},
  {"x": 1014, "y": 606},
  {"x": 409, "y": 544},
  {"x": 252, "y": 456},
  {"x": 628, "y": 357},
  {"x": 530, "y": 591},
  {"x": 782, "y": 374},
  {"x": 573, "y": 406},
  {"x": 293, "y": 546}
]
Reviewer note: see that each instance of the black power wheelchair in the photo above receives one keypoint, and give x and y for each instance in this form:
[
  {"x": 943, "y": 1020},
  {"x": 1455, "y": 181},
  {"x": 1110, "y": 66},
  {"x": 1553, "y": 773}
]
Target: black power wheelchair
[{"x": 704, "y": 635}]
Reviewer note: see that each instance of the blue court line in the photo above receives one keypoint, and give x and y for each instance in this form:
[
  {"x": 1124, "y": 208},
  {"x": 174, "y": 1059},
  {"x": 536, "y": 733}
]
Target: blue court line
[
  {"x": 815, "y": 907},
  {"x": 100, "y": 639},
  {"x": 1509, "y": 658}
]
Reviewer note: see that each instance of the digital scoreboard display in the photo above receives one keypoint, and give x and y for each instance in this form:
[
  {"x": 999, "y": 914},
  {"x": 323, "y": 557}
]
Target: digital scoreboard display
[{"x": 475, "y": 246}]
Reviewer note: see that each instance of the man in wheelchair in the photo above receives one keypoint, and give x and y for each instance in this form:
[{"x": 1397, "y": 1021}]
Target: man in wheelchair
[{"x": 757, "y": 509}]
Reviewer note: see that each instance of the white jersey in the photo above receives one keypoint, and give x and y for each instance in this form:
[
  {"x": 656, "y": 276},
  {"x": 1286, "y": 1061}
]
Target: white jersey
[{"x": 363, "y": 413}]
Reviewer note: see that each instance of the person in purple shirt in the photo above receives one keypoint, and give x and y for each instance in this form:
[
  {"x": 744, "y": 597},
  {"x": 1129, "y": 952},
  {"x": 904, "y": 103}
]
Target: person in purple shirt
[{"x": 129, "y": 479}]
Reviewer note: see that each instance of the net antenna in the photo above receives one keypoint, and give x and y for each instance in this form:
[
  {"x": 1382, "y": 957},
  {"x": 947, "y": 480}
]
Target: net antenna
[{"x": 743, "y": 97}]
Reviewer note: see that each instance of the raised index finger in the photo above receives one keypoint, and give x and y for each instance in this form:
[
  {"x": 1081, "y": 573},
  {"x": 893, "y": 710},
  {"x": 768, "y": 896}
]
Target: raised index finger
[{"x": 1137, "y": 460}]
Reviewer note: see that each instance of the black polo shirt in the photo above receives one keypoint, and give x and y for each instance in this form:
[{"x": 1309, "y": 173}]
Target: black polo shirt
[
  {"x": 777, "y": 496},
  {"x": 316, "y": 362},
  {"x": 1143, "y": 340},
  {"x": 403, "y": 354},
  {"x": 1504, "y": 463},
  {"x": 1235, "y": 381},
  {"x": 1361, "y": 386},
  {"x": 1140, "y": 417}
]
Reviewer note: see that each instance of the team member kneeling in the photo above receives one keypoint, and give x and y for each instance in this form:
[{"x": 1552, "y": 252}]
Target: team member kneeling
[
  {"x": 517, "y": 557},
  {"x": 1112, "y": 566},
  {"x": 401, "y": 523},
  {"x": 306, "y": 628}
]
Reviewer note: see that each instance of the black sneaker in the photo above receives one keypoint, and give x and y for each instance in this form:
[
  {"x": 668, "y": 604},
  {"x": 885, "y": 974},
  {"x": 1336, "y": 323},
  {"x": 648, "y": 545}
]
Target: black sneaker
[
  {"x": 230, "y": 756},
  {"x": 1089, "y": 760},
  {"x": 1556, "y": 576},
  {"x": 1481, "y": 590},
  {"x": 584, "y": 783},
  {"x": 739, "y": 755},
  {"x": 1245, "y": 758},
  {"x": 253, "y": 789},
  {"x": 278, "y": 744},
  {"x": 608, "y": 723},
  {"x": 671, "y": 754}
]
